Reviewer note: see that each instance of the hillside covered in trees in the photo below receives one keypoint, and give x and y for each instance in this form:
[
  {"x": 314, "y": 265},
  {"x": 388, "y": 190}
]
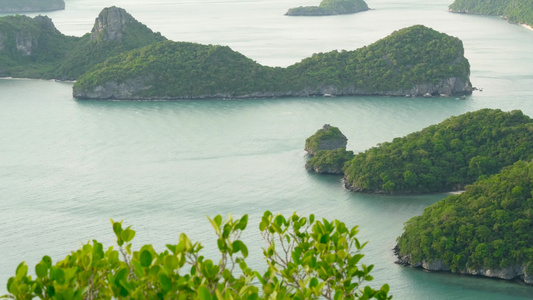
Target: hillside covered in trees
[
  {"x": 443, "y": 157},
  {"x": 34, "y": 48},
  {"x": 330, "y": 7},
  {"x": 412, "y": 61},
  {"x": 487, "y": 230},
  {"x": 516, "y": 11},
  {"x": 17, "y": 6}
]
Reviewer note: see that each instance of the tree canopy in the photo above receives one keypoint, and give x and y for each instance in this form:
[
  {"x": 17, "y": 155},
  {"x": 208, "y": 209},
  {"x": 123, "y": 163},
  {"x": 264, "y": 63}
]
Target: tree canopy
[
  {"x": 516, "y": 11},
  {"x": 306, "y": 259},
  {"x": 330, "y": 7},
  {"x": 444, "y": 157},
  {"x": 489, "y": 226},
  {"x": 396, "y": 65}
]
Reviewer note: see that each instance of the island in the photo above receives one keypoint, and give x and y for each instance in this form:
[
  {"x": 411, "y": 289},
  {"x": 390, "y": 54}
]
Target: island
[
  {"x": 327, "y": 149},
  {"x": 485, "y": 231},
  {"x": 413, "y": 61},
  {"x": 515, "y": 11},
  {"x": 34, "y": 48},
  {"x": 444, "y": 157},
  {"x": 20, "y": 6},
  {"x": 330, "y": 7}
]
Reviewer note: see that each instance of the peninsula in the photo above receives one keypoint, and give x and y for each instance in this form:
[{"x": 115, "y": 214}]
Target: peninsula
[
  {"x": 515, "y": 11},
  {"x": 20, "y": 6},
  {"x": 444, "y": 157},
  {"x": 413, "y": 61},
  {"x": 330, "y": 7},
  {"x": 485, "y": 231}
]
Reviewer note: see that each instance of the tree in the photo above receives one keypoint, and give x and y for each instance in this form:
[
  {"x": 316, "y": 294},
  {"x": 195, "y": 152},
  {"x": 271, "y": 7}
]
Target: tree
[{"x": 307, "y": 259}]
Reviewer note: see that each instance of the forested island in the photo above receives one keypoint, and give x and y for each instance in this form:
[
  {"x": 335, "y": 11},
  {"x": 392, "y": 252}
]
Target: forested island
[
  {"x": 34, "y": 48},
  {"x": 327, "y": 149},
  {"x": 19, "y": 6},
  {"x": 486, "y": 231},
  {"x": 413, "y": 61},
  {"x": 516, "y": 11},
  {"x": 123, "y": 59},
  {"x": 443, "y": 157},
  {"x": 330, "y": 7}
]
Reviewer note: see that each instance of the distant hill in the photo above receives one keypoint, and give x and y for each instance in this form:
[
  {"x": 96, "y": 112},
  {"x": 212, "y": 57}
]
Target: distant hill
[
  {"x": 443, "y": 157},
  {"x": 412, "y": 61},
  {"x": 516, "y": 11},
  {"x": 330, "y": 7},
  {"x": 485, "y": 231},
  {"x": 34, "y": 48},
  {"x": 18, "y": 6}
]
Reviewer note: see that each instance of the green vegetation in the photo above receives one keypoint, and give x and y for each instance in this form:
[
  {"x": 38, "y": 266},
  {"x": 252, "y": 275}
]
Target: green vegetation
[
  {"x": 30, "y": 5},
  {"x": 409, "y": 61},
  {"x": 489, "y": 226},
  {"x": 517, "y": 11},
  {"x": 329, "y": 161},
  {"x": 326, "y": 138},
  {"x": 330, "y": 7},
  {"x": 444, "y": 157},
  {"x": 34, "y": 48},
  {"x": 307, "y": 259}
]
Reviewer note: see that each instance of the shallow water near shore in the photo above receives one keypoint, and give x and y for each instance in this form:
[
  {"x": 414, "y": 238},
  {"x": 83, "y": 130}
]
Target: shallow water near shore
[{"x": 67, "y": 166}]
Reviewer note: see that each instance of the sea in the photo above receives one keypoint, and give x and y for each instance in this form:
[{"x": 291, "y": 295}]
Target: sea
[{"x": 68, "y": 166}]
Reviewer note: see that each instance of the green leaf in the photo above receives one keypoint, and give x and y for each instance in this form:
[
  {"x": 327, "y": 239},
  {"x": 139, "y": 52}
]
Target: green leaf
[
  {"x": 313, "y": 282},
  {"x": 240, "y": 246},
  {"x": 22, "y": 270},
  {"x": 41, "y": 270},
  {"x": 127, "y": 235},
  {"x": 242, "y": 223},
  {"x": 146, "y": 258},
  {"x": 171, "y": 262},
  {"x": 117, "y": 227},
  {"x": 204, "y": 294},
  {"x": 165, "y": 281}
]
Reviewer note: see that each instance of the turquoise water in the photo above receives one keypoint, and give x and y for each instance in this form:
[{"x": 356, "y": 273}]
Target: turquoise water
[{"x": 67, "y": 166}]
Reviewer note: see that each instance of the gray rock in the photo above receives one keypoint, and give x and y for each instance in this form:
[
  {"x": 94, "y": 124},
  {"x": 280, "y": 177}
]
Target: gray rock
[{"x": 110, "y": 24}]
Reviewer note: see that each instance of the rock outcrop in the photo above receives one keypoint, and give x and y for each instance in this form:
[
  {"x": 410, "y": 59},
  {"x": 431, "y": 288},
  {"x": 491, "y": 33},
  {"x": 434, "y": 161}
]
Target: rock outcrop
[
  {"x": 110, "y": 24},
  {"x": 326, "y": 138},
  {"x": 507, "y": 273},
  {"x": 20, "y": 6},
  {"x": 26, "y": 38}
]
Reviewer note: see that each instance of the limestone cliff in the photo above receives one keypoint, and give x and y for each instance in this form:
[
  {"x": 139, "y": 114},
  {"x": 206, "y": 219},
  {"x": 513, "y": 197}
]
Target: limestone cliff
[
  {"x": 111, "y": 24},
  {"x": 508, "y": 273}
]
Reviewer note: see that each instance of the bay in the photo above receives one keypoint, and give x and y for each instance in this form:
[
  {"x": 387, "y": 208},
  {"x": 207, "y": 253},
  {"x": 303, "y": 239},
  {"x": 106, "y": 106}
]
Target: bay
[{"x": 67, "y": 166}]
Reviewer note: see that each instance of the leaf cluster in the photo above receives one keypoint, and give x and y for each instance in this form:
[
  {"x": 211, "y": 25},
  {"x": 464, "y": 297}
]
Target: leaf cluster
[
  {"x": 446, "y": 156},
  {"x": 487, "y": 227},
  {"x": 307, "y": 259}
]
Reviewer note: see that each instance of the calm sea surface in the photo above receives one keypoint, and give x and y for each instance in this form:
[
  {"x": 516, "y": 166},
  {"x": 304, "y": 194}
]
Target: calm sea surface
[{"x": 68, "y": 166}]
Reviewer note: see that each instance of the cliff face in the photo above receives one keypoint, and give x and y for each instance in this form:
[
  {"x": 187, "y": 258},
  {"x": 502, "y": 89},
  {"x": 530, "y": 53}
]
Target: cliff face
[
  {"x": 110, "y": 24},
  {"x": 508, "y": 273},
  {"x": 25, "y": 39}
]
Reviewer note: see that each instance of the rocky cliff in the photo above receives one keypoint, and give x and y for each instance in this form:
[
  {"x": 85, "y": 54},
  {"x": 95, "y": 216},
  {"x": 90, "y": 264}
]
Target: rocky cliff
[
  {"x": 508, "y": 273},
  {"x": 111, "y": 24}
]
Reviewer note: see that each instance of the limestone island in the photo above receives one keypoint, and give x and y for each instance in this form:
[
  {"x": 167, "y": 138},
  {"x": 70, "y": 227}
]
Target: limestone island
[
  {"x": 20, "y": 6},
  {"x": 444, "y": 157},
  {"x": 327, "y": 148},
  {"x": 123, "y": 59},
  {"x": 34, "y": 48},
  {"x": 413, "y": 61},
  {"x": 515, "y": 11},
  {"x": 485, "y": 231},
  {"x": 330, "y": 7}
]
